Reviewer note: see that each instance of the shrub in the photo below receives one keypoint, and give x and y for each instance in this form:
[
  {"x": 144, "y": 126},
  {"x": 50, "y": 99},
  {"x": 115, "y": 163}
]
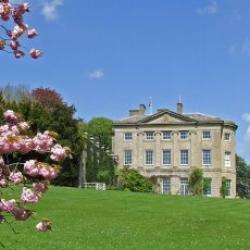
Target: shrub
[
  {"x": 223, "y": 189},
  {"x": 131, "y": 179},
  {"x": 195, "y": 181},
  {"x": 206, "y": 185}
]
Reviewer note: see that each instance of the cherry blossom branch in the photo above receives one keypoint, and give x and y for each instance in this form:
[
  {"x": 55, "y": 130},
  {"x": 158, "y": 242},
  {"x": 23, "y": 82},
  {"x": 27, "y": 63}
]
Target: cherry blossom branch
[{"x": 16, "y": 12}]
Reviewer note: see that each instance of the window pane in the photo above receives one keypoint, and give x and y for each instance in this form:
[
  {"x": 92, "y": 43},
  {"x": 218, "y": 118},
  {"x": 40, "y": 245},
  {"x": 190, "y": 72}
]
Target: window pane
[
  {"x": 183, "y": 135},
  {"x": 227, "y": 136},
  {"x": 206, "y": 135},
  {"x": 149, "y": 135},
  {"x": 206, "y": 157},
  {"x": 149, "y": 157},
  {"x": 184, "y": 186},
  {"x": 227, "y": 159},
  {"x": 166, "y": 157},
  {"x": 184, "y": 157},
  {"x": 127, "y": 157},
  {"x": 166, "y": 185},
  {"x": 166, "y": 135},
  {"x": 128, "y": 136}
]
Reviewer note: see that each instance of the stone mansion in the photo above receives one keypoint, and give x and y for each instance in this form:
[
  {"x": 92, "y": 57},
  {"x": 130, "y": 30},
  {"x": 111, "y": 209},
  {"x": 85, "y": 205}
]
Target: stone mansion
[{"x": 167, "y": 146}]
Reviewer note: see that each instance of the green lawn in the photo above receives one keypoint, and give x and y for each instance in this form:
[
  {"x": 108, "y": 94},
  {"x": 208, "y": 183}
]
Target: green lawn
[{"x": 123, "y": 220}]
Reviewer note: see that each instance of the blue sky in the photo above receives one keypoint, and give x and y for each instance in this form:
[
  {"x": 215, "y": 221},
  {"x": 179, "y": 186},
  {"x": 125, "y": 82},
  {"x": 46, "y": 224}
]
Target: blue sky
[{"x": 106, "y": 57}]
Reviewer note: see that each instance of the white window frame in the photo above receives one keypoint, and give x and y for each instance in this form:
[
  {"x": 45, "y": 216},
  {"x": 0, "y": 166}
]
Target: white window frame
[
  {"x": 228, "y": 159},
  {"x": 170, "y": 157},
  {"x": 168, "y": 138},
  {"x": 229, "y": 138},
  {"x": 184, "y": 186},
  {"x": 166, "y": 182},
  {"x": 125, "y": 137},
  {"x": 203, "y": 154},
  {"x": 152, "y": 157},
  {"x": 149, "y": 135},
  {"x": 187, "y": 134},
  {"x": 125, "y": 162},
  {"x": 181, "y": 151},
  {"x": 206, "y": 138}
]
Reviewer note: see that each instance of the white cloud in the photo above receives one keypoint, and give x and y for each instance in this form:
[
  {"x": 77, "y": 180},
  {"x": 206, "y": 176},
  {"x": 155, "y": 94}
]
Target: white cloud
[
  {"x": 242, "y": 48},
  {"x": 50, "y": 9},
  {"x": 246, "y": 118},
  {"x": 96, "y": 74},
  {"x": 210, "y": 9}
]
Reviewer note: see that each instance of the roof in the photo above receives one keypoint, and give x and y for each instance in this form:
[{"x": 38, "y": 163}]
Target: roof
[{"x": 191, "y": 118}]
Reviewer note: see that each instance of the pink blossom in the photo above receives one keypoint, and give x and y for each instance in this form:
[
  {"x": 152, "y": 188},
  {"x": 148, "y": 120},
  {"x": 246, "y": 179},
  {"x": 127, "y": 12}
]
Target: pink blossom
[
  {"x": 7, "y": 206},
  {"x": 53, "y": 174},
  {"x": 43, "y": 142},
  {"x": 44, "y": 171},
  {"x": 24, "y": 125},
  {"x": 58, "y": 153},
  {"x": 41, "y": 187},
  {"x": 10, "y": 116},
  {"x": 32, "y": 33},
  {"x": 29, "y": 196},
  {"x": 35, "y": 53},
  {"x": 3, "y": 182},
  {"x": 31, "y": 168},
  {"x": 14, "y": 44},
  {"x": 19, "y": 54},
  {"x": 16, "y": 177},
  {"x": 4, "y": 129},
  {"x": 43, "y": 226},
  {"x": 18, "y": 31},
  {"x": 21, "y": 214}
]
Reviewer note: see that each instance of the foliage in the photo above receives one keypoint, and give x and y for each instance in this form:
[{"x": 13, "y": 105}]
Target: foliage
[
  {"x": 47, "y": 97},
  {"x": 206, "y": 185},
  {"x": 195, "y": 181},
  {"x": 132, "y": 180},
  {"x": 242, "y": 178},
  {"x": 223, "y": 189},
  {"x": 15, "y": 140},
  {"x": 10, "y": 39},
  {"x": 100, "y": 164}
]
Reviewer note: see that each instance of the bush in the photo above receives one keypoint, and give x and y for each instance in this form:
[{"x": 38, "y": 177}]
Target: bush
[
  {"x": 223, "y": 189},
  {"x": 206, "y": 185},
  {"x": 131, "y": 179},
  {"x": 195, "y": 181}
]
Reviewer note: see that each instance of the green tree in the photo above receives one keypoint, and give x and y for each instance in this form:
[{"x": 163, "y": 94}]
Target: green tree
[
  {"x": 196, "y": 181},
  {"x": 100, "y": 164},
  {"x": 242, "y": 178}
]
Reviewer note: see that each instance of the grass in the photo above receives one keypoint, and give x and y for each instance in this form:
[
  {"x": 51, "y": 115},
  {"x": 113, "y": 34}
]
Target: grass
[{"x": 109, "y": 220}]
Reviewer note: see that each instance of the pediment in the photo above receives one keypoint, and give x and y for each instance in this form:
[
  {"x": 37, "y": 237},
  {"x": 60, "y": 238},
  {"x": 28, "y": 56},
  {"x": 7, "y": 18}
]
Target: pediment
[{"x": 167, "y": 117}]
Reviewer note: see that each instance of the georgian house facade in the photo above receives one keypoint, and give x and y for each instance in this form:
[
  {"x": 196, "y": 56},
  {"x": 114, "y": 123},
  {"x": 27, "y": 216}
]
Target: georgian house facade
[{"x": 167, "y": 146}]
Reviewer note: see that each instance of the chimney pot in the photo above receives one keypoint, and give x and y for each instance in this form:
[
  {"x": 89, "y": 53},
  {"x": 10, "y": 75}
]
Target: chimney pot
[{"x": 179, "y": 107}]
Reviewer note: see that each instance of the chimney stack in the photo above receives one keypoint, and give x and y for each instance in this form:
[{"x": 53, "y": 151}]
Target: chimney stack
[
  {"x": 142, "y": 109},
  {"x": 179, "y": 106}
]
